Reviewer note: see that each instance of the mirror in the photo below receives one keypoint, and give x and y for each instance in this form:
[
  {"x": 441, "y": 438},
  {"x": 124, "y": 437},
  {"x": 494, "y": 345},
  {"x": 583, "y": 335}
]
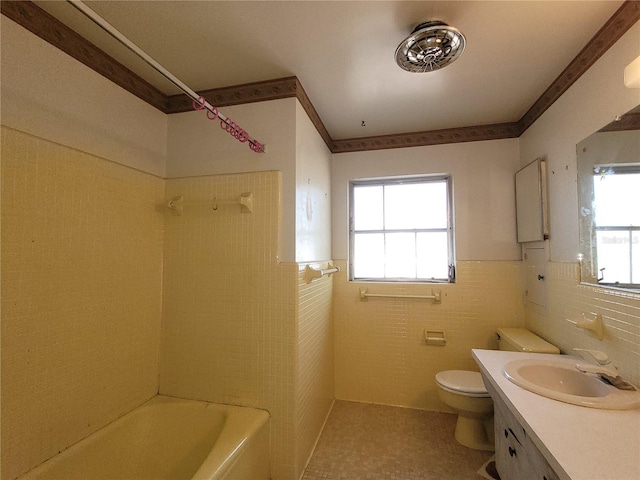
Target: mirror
[{"x": 609, "y": 204}]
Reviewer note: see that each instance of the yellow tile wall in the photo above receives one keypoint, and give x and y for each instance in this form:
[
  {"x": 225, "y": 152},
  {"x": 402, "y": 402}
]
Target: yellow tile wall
[
  {"x": 89, "y": 255},
  {"x": 314, "y": 365},
  {"x": 81, "y": 295},
  {"x": 568, "y": 301},
  {"x": 228, "y": 331},
  {"x": 380, "y": 352}
]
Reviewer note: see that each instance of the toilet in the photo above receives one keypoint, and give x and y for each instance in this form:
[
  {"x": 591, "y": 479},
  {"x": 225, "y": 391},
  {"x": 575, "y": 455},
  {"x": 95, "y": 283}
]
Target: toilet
[{"x": 465, "y": 393}]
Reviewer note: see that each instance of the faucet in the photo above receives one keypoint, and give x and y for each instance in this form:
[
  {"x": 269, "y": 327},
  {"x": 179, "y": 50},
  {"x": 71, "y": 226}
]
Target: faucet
[{"x": 601, "y": 365}]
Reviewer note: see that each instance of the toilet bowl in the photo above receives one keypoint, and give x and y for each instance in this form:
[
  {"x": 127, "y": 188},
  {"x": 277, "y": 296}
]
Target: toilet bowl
[{"x": 464, "y": 391}]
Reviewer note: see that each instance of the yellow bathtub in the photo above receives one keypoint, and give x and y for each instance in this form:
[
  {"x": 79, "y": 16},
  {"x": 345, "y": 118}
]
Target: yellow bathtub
[{"x": 169, "y": 439}]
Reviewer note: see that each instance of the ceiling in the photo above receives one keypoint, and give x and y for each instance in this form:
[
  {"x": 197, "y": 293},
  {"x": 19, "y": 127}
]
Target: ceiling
[{"x": 342, "y": 52}]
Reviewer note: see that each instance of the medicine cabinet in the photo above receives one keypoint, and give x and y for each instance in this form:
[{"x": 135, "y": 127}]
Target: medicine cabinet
[{"x": 531, "y": 203}]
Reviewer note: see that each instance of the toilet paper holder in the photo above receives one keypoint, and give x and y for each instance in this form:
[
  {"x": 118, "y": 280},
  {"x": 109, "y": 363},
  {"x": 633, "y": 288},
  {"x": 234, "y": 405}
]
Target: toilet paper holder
[{"x": 435, "y": 337}]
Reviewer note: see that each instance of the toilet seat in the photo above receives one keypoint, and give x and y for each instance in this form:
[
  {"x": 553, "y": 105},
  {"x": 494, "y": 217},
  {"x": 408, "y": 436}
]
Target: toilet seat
[{"x": 462, "y": 382}]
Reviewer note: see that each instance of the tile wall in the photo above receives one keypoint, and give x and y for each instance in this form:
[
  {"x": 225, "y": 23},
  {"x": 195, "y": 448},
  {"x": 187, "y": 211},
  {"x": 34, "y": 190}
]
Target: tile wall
[
  {"x": 568, "y": 301},
  {"x": 229, "y": 319},
  {"x": 381, "y": 356},
  {"x": 314, "y": 366},
  {"x": 93, "y": 321},
  {"x": 81, "y": 295}
]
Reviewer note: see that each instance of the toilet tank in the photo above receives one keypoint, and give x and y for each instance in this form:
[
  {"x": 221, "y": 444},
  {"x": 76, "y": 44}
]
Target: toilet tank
[{"x": 522, "y": 340}]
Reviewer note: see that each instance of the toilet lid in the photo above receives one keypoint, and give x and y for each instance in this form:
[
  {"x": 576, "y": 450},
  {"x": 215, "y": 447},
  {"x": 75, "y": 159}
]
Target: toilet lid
[{"x": 463, "y": 381}]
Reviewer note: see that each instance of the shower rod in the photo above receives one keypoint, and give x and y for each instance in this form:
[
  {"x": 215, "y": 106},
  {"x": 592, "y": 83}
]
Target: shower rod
[{"x": 199, "y": 103}]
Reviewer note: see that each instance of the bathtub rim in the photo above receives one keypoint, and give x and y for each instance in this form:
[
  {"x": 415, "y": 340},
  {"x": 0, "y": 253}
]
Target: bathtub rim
[{"x": 241, "y": 424}]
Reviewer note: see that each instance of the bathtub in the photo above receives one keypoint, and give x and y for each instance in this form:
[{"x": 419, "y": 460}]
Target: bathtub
[{"x": 169, "y": 439}]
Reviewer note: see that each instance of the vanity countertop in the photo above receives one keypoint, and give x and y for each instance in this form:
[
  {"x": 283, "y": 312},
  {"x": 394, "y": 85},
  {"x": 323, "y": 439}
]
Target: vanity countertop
[{"x": 580, "y": 443}]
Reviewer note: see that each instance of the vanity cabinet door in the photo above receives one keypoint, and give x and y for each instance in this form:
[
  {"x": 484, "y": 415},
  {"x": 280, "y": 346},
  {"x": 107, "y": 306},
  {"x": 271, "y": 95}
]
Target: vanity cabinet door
[
  {"x": 517, "y": 458},
  {"x": 511, "y": 461}
]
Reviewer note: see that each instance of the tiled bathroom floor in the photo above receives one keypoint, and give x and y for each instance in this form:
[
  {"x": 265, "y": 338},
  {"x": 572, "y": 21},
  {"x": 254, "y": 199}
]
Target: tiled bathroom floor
[{"x": 362, "y": 441}]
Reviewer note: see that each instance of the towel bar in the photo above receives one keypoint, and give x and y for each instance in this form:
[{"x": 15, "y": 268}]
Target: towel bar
[{"x": 435, "y": 296}]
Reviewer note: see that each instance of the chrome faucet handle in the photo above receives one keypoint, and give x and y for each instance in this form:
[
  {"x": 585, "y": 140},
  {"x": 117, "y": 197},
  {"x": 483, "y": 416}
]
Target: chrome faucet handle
[
  {"x": 599, "y": 357},
  {"x": 610, "y": 372}
]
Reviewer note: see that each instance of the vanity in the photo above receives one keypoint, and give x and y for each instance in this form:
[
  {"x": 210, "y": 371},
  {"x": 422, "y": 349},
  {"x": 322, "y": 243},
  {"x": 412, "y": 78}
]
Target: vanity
[{"x": 541, "y": 438}]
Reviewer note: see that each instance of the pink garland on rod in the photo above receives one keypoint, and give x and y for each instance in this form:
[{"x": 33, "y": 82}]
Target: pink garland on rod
[
  {"x": 231, "y": 127},
  {"x": 199, "y": 103}
]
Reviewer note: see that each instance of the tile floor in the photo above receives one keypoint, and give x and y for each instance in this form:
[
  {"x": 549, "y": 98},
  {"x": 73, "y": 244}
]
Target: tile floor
[{"x": 362, "y": 441}]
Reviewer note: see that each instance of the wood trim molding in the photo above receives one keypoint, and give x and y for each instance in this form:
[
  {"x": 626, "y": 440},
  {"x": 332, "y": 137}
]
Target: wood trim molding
[
  {"x": 39, "y": 22},
  {"x": 630, "y": 121},
  {"x": 238, "y": 94},
  {"x": 313, "y": 115},
  {"x": 255, "y": 92},
  {"x": 621, "y": 21},
  {"x": 431, "y": 137},
  {"x": 47, "y": 27}
]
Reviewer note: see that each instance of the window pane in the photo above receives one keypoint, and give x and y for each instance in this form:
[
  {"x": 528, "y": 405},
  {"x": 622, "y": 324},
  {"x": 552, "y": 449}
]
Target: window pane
[
  {"x": 368, "y": 261},
  {"x": 367, "y": 207},
  {"x": 400, "y": 229},
  {"x": 616, "y": 199},
  {"x": 401, "y": 255},
  {"x": 613, "y": 256},
  {"x": 416, "y": 205},
  {"x": 432, "y": 255}
]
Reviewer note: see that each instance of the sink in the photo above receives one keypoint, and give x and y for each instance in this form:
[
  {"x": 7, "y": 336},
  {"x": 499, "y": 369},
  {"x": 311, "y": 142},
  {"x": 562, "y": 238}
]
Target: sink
[{"x": 559, "y": 379}]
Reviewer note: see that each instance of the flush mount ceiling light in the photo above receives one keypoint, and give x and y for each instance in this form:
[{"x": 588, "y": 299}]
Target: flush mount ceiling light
[{"x": 431, "y": 46}]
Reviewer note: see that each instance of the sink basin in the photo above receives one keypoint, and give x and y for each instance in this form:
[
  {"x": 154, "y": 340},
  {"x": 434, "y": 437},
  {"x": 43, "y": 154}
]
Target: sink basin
[{"x": 559, "y": 379}]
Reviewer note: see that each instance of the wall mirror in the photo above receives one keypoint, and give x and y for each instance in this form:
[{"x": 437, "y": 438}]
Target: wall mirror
[{"x": 609, "y": 204}]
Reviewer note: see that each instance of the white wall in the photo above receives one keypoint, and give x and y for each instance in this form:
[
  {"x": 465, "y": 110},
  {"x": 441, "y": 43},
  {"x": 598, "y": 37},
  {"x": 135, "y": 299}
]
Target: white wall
[
  {"x": 483, "y": 185},
  {"x": 47, "y": 93},
  {"x": 591, "y": 103},
  {"x": 313, "y": 192},
  {"x": 198, "y": 146}
]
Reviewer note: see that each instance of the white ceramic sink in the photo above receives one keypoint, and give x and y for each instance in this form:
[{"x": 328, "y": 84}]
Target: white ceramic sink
[{"x": 559, "y": 379}]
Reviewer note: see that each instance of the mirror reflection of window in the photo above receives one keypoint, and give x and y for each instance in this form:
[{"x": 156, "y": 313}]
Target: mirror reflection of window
[
  {"x": 608, "y": 161},
  {"x": 617, "y": 223}
]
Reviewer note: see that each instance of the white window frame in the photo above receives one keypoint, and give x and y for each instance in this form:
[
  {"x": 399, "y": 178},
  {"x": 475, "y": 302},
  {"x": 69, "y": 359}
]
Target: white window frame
[{"x": 383, "y": 181}]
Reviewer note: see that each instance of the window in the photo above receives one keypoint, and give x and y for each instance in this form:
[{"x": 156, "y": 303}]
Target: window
[
  {"x": 401, "y": 229},
  {"x": 617, "y": 224}
]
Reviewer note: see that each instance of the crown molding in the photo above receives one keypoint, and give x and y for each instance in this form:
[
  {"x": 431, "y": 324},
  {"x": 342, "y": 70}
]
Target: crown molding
[
  {"x": 37, "y": 21},
  {"x": 238, "y": 94},
  {"x": 621, "y": 21},
  {"x": 630, "y": 121},
  {"x": 430, "y": 137},
  {"x": 304, "y": 100},
  {"x": 47, "y": 27},
  {"x": 254, "y": 92}
]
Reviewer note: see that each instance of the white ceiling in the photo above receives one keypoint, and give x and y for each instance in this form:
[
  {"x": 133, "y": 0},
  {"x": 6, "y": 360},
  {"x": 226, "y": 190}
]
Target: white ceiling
[{"x": 343, "y": 53}]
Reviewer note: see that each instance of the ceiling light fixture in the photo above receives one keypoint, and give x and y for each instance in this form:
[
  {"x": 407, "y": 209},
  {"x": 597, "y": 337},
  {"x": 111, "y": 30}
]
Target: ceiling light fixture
[{"x": 431, "y": 46}]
